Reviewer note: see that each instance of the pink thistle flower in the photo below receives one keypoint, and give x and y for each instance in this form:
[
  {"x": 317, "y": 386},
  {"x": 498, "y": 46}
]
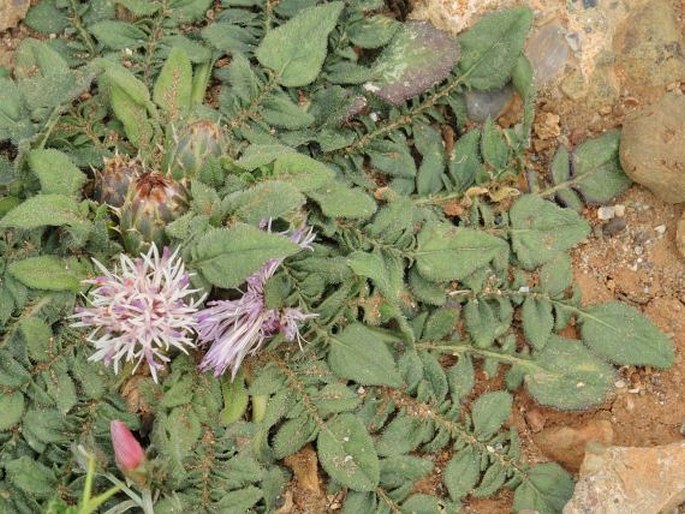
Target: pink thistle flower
[
  {"x": 140, "y": 312},
  {"x": 128, "y": 453},
  {"x": 238, "y": 328}
]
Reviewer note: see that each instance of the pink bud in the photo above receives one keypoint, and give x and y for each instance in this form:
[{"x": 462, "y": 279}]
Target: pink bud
[{"x": 128, "y": 453}]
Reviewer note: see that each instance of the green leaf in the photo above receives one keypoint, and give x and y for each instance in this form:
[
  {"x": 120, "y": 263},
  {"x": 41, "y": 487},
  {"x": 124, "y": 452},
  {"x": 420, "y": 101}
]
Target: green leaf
[
  {"x": 303, "y": 172},
  {"x": 140, "y": 7},
  {"x": 126, "y": 81},
  {"x": 465, "y": 160},
  {"x": 489, "y": 412},
  {"x": 279, "y": 111},
  {"x": 392, "y": 158},
  {"x": 361, "y": 354},
  {"x": 268, "y": 199},
  {"x": 235, "y": 399},
  {"x": 44, "y": 210},
  {"x": 540, "y": 230},
  {"x": 462, "y": 473},
  {"x": 623, "y": 335},
  {"x": 561, "y": 165},
  {"x": 293, "y": 435},
  {"x": 174, "y": 85},
  {"x": 118, "y": 34},
  {"x": 547, "y": 489},
  {"x": 401, "y": 436},
  {"x": 556, "y": 276},
  {"x": 422, "y": 504},
  {"x": 226, "y": 257},
  {"x": 56, "y": 172},
  {"x": 566, "y": 375},
  {"x": 430, "y": 144},
  {"x": 373, "y": 32},
  {"x": 11, "y": 409},
  {"x": 446, "y": 252},
  {"x": 335, "y": 398},
  {"x": 418, "y": 57},
  {"x": 32, "y": 477},
  {"x": 494, "y": 147},
  {"x": 374, "y": 267},
  {"x": 347, "y": 454},
  {"x": 491, "y": 47},
  {"x": 538, "y": 321},
  {"x": 46, "y": 18},
  {"x": 297, "y": 49},
  {"x": 461, "y": 378},
  {"x": 359, "y": 502},
  {"x": 493, "y": 479},
  {"x": 339, "y": 201},
  {"x": 45, "y": 272},
  {"x": 241, "y": 500},
  {"x": 132, "y": 115},
  {"x": 598, "y": 173}
]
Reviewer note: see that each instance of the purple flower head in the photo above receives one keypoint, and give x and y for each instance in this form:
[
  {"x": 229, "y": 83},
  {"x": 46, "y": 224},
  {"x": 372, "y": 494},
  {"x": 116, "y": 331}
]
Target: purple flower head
[
  {"x": 140, "y": 311},
  {"x": 238, "y": 328}
]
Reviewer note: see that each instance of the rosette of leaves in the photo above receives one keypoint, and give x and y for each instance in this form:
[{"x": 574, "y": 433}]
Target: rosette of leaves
[{"x": 320, "y": 128}]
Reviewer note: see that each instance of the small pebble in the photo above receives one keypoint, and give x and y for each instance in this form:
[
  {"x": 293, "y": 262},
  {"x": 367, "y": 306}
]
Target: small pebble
[
  {"x": 661, "y": 229},
  {"x": 620, "y": 384},
  {"x": 606, "y": 212},
  {"x": 614, "y": 226},
  {"x": 619, "y": 210}
]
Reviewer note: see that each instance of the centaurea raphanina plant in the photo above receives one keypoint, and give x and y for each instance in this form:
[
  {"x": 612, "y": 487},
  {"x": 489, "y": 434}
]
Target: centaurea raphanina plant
[
  {"x": 238, "y": 328},
  {"x": 140, "y": 310}
]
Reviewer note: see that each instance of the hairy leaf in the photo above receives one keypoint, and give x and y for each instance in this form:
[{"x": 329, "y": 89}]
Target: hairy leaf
[
  {"x": 446, "y": 252},
  {"x": 226, "y": 257},
  {"x": 541, "y": 230},
  {"x": 547, "y": 489},
  {"x": 173, "y": 87},
  {"x": 491, "y": 47},
  {"x": 347, "y": 453},
  {"x": 296, "y": 50},
  {"x": 45, "y": 272},
  {"x": 565, "y": 375},
  {"x": 361, "y": 354},
  {"x": 623, "y": 335},
  {"x": 56, "y": 172}
]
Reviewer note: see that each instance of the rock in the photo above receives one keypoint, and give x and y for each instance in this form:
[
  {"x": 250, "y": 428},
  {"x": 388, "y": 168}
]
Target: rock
[
  {"x": 606, "y": 212},
  {"x": 613, "y": 227},
  {"x": 649, "y": 46},
  {"x": 624, "y": 479},
  {"x": 566, "y": 445},
  {"x": 481, "y": 105},
  {"x": 548, "y": 52},
  {"x": 680, "y": 236},
  {"x": 12, "y": 12},
  {"x": 652, "y": 147}
]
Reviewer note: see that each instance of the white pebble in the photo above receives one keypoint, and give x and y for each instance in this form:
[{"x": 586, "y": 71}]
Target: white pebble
[
  {"x": 661, "y": 229},
  {"x": 606, "y": 212},
  {"x": 619, "y": 210}
]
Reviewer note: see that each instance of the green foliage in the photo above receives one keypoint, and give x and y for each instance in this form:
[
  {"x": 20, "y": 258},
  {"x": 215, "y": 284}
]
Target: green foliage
[{"x": 424, "y": 268}]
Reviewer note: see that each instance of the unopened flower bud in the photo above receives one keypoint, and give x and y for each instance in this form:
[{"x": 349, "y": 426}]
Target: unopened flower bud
[{"x": 128, "y": 453}]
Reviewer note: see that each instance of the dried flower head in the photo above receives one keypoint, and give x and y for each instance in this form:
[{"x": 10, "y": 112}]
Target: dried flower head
[
  {"x": 238, "y": 328},
  {"x": 140, "y": 311}
]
